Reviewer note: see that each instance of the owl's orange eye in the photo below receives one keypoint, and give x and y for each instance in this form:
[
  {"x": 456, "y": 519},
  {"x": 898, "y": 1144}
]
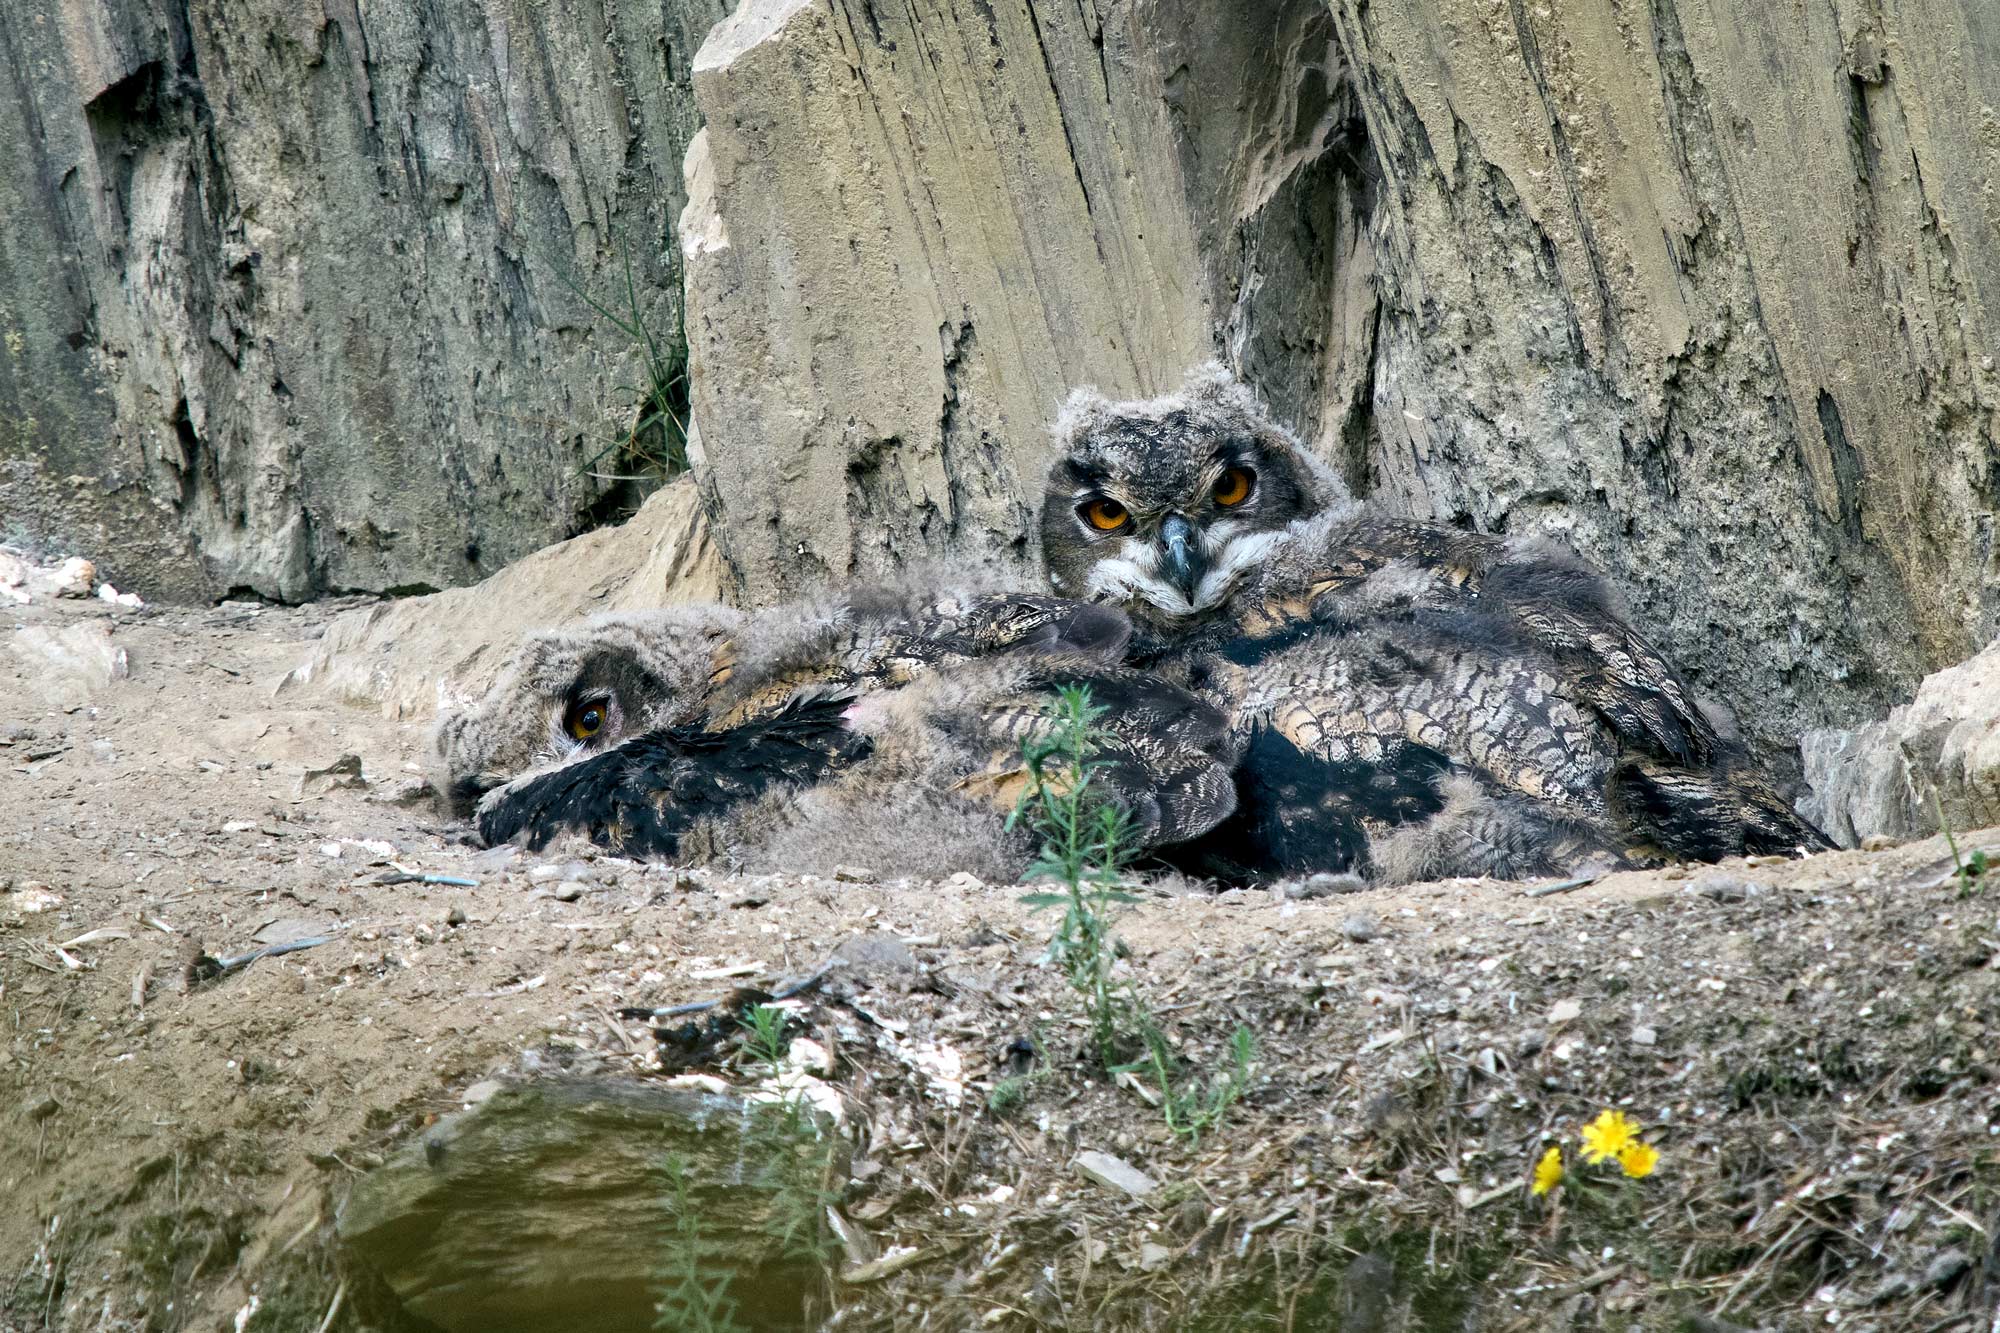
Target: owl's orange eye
[
  {"x": 1105, "y": 515},
  {"x": 1234, "y": 488},
  {"x": 584, "y": 720}
]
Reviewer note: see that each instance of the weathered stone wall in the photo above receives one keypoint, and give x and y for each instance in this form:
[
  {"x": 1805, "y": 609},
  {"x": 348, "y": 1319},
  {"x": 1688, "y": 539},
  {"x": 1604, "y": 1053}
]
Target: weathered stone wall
[
  {"x": 280, "y": 304},
  {"x": 1700, "y": 286}
]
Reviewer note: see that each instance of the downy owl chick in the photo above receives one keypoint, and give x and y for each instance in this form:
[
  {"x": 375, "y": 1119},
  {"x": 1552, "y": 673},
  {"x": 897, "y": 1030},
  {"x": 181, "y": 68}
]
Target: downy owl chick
[
  {"x": 872, "y": 725},
  {"x": 1410, "y": 696}
]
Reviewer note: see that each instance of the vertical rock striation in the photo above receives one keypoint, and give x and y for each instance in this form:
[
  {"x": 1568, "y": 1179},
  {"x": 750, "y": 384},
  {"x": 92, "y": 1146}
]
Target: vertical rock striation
[
  {"x": 1699, "y": 286},
  {"x": 1703, "y": 287},
  {"x": 282, "y": 297}
]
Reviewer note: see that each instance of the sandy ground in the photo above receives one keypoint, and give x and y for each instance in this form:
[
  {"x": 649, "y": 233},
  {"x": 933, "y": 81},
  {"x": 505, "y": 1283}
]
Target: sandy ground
[{"x": 1811, "y": 1044}]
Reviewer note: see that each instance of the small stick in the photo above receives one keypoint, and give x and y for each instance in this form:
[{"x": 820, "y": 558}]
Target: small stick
[
  {"x": 1565, "y": 886},
  {"x": 339, "y": 1294},
  {"x": 206, "y": 968},
  {"x": 406, "y": 877}
]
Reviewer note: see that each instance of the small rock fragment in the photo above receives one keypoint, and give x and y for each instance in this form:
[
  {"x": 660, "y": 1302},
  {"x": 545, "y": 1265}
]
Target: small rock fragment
[
  {"x": 1879, "y": 842},
  {"x": 568, "y": 891},
  {"x": 1724, "y": 888},
  {"x": 1565, "y": 1011},
  {"x": 72, "y": 578},
  {"x": 1945, "y": 1269},
  {"x": 33, "y": 896},
  {"x": 853, "y": 875},
  {"x": 1153, "y": 1257},
  {"x": 1325, "y": 885},
  {"x": 480, "y": 1091},
  {"x": 72, "y": 663},
  {"x": 1892, "y": 1288},
  {"x": 1358, "y": 928},
  {"x": 344, "y": 772},
  {"x": 456, "y": 916},
  {"x": 875, "y": 951},
  {"x": 40, "y": 1106},
  {"x": 1115, "y": 1173},
  {"x": 1645, "y": 1036}
]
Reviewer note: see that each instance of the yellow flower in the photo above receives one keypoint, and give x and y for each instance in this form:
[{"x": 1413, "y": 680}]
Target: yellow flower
[
  {"x": 1638, "y": 1159},
  {"x": 1607, "y": 1136},
  {"x": 1548, "y": 1171}
]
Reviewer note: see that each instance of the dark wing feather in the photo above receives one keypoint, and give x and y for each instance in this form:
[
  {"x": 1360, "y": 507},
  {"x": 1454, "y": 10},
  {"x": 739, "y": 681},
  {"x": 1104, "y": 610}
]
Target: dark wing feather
[
  {"x": 1164, "y": 756},
  {"x": 641, "y": 798},
  {"x": 1707, "y": 814},
  {"x": 1558, "y": 601},
  {"x": 1298, "y": 813}
]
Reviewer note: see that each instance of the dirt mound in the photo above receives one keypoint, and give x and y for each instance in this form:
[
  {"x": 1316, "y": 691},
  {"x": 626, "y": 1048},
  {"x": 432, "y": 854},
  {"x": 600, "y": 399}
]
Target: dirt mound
[{"x": 1809, "y": 1046}]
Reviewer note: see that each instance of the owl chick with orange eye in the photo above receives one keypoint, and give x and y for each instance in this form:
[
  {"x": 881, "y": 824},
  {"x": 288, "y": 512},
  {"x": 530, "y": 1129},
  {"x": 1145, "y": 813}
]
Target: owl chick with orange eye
[
  {"x": 1413, "y": 700},
  {"x": 879, "y": 726},
  {"x": 570, "y": 692}
]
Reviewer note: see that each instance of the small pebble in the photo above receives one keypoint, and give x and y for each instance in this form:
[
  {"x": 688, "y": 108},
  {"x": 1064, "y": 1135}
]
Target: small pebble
[
  {"x": 1115, "y": 1173},
  {"x": 853, "y": 875},
  {"x": 1724, "y": 888},
  {"x": 1644, "y": 1036},
  {"x": 456, "y": 916},
  {"x": 1945, "y": 1269},
  {"x": 1879, "y": 842},
  {"x": 568, "y": 891},
  {"x": 1358, "y": 928}
]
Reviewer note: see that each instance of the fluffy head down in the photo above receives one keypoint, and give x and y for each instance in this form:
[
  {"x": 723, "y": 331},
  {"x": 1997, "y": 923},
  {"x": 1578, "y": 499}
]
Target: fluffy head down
[
  {"x": 1167, "y": 505},
  {"x": 571, "y": 692}
]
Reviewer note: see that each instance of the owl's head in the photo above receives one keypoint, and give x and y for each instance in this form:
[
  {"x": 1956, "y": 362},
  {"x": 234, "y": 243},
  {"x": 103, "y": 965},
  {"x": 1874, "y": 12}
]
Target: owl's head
[
  {"x": 1166, "y": 505},
  {"x": 571, "y": 692}
]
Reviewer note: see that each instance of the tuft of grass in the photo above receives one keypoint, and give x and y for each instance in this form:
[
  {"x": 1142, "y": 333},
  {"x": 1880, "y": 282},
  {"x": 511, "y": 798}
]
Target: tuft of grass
[
  {"x": 691, "y": 1299},
  {"x": 1086, "y": 848},
  {"x": 797, "y": 1158},
  {"x": 654, "y": 448},
  {"x": 764, "y": 1037},
  {"x": 1970, "y": 870},
  {"x": 793, "y": 1160}
]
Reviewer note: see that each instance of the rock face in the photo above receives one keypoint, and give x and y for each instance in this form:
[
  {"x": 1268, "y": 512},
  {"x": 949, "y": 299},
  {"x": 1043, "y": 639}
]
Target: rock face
[
  {"x": 282, "y": 295},
  {"x": 584, "y": 1203},
  {"x": 1702, "y": 288},
  {"x": 406, "y": 656},
  {"x": 1940, "y": 751}
]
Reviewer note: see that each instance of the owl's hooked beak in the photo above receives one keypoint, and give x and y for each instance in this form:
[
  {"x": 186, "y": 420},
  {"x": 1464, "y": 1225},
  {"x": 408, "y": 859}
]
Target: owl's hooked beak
[{"x": 1180, "y": 554}]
